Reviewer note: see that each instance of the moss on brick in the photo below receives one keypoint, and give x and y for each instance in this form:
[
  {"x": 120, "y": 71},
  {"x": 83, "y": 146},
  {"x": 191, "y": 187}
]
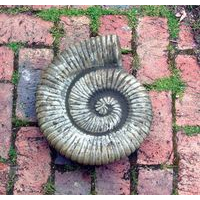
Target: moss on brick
[
  {"x": 172, "y": 83},
  {"x": 188, "y": 130},
  {"x": 15, "y": 77},
  {"x": 49, "y": 187},
  {"x": 15, "y": 46}
]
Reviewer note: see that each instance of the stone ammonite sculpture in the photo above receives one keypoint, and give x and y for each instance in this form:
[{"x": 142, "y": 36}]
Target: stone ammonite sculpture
[{"x": 88, "y": 107}]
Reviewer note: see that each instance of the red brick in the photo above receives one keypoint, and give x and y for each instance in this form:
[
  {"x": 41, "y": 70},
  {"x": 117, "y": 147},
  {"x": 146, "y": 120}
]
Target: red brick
[
  {"x": 76, "y": 29},
  {"x": 189, "y": 164},
  {"x": 4, "y": 171},
  {"x": 33, "y": 160},
  {"x": 157, "y": 148},
  {"x": 187, "y": 107},
  {"x": 113, "y": 178},
  {"x": 155, "y": 182},
  {"x": 127, "y": 62},
  {"x": 118, "y": 25},
  {"x": 24, "y": 28},
  {"x": 6, "y": 63},
  {"x": 186, "y": 40},
  {"x": 73, "y": 183},
  {"x": 31, "y": 62},
  {"x": 153, "y": 39},
  {"x": 5, "y": 118}
]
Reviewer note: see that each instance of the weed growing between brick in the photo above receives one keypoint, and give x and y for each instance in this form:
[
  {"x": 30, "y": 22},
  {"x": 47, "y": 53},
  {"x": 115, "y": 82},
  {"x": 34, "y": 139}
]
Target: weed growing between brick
[
  {"x": 134, "y": 179},
  {"x": 126, "y": 51},
  {"x": 3, "y": 160},
  {"x": 12, "y": 155},
  {"x": 54, "y": 14},
  {"x": 49, "y": 187},
  {"x": 172, "y": 83},
  {"x": 11, "y": 182},
  {"x": 15, "y": 77},
  {"x": 57, "y": 31},
  {"x": 15, "y": 46},
  {"x": 93, "y": 181},
  {"x": 18, "y": 122},
  {"x": 15, "y": 10},
  {"x": 188, "y": 130}
]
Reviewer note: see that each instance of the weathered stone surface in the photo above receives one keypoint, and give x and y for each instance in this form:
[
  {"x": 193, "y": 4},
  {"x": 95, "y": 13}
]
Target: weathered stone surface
[
  {"x": 127, "y": 60},
  {"x": 155, "y": 182},
  {"x": 153, "y": 39},
  {"x": 186, "y": 40},
  {"x": 73, "y": 182},
  {"x": 76, "y": 29},
  {"x": 24, "y": 28},
  {"x": 113, "y": 179},
  {"x": 118, "y": 25},
  {"x": 4, "y": 171},
  {"x": 189, "y": 164},
  {"x": 6, "y": 63},
  {"x": 31, "y": 62},
  {"x": 33, "y": 161},
  {"x": 188, "y": 106},
  {"x": 6, "y": 91},
  {"x": 157, "y": 148}
]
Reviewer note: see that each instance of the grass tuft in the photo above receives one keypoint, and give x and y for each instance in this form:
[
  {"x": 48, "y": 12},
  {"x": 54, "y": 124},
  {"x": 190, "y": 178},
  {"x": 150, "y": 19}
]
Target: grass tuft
[
  {"x": 18, "y": 122},
  {"x": 172, "y": 83},
  {"x": 12, "y": 155},
  {"x": 49, "y": 187},
  {"x": 188, "y": 130},
  {"x": 15, "y": 77},
  {"x": 3, "y": 160},
  {"x": 57, "y": 33},
  {"x": 15, "y": 46},
  {"x": 54, "y": 14},
  {"x": 15, "y": 10}
]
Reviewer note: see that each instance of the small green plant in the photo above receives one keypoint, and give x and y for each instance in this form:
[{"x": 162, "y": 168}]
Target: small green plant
[
  {"x": 12, "y": 155},
  {"x": 132, "y": 15},
  {"x": 49, "y": 187},
  {"x": 93, "y": 181},
  {"x": 10, "y": 183},
  {"x": 15, "y": 10},
  {"x": 15, "y": 77},
  {"x": 54, "y": 14},
  {"x": 3, "y": 160},
  {"x": 134, "y": 180},
  {"x": 175, "y": 192},
  {"x": 18, "y": 122},
  {"x": 188, "y": 130},
  {"x": 125, "y": 51},
  {"x": 172, "y": 83},
  {"x": 94, "y": 13},
  {"x": 15, "y": 46},
  {"x": 57, "y": 33}
]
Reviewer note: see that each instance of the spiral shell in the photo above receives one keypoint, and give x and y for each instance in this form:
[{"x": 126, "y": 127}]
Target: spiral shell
[{"x": 88, "y": 107}]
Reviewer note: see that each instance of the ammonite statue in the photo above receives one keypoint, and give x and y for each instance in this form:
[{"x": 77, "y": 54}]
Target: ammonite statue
[{"x": 88, "y": 107}]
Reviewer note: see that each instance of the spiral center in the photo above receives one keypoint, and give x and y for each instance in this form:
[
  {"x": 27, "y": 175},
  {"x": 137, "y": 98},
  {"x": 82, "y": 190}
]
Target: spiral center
[{"x": 105, "y": 105}]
